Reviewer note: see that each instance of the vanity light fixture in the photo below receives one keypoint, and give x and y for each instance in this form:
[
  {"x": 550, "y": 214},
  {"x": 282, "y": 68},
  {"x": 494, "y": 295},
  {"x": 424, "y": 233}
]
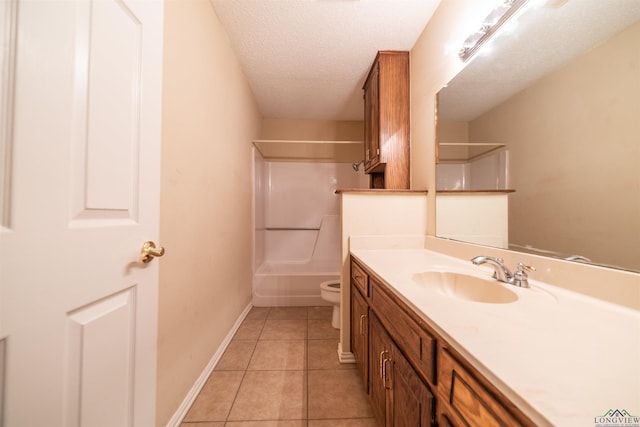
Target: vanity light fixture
[{"x": 489, "y": 27}]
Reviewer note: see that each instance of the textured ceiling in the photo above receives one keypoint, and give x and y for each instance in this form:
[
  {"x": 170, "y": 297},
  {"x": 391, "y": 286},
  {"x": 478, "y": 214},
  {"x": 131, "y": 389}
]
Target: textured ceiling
[
  {"x": 307, "y": 59},
  {"x": 546, "y": 36}
]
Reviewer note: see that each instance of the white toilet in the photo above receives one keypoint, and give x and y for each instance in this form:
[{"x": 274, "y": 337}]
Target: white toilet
[{"x": 330, "y": 292}]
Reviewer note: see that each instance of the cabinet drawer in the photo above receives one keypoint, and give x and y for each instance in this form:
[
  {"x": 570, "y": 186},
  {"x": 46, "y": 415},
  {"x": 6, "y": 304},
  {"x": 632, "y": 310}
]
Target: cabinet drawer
[
  {"x": 467, "y": 398},
  {"x": 418, "y": 346},
  {"x": 360, "y": 278}
]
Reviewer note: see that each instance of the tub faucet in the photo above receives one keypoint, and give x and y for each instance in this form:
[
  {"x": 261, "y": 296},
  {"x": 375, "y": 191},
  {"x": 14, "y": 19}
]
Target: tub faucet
[{"x": 502, "y": 273}]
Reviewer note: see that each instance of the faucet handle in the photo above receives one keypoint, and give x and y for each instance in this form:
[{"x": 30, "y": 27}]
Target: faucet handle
[
  {"x": 522, "y": 266},
  {"x": 520, "y": 277}
]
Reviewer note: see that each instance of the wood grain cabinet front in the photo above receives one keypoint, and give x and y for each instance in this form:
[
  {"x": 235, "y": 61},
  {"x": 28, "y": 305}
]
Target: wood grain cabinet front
[
  {"x": 372, "y": 121},
  {"x": 465, "y": 401},
  {"x": 413, "y": 376},
  {"x": 360, "y": 334},
  {"x": 379, "y": 356},
  {"x": 359, "y": 278},
  {"x": 386, "y": 121},
  {"x": 418, "y": 345},
  {"x": 398, "y": 395}
]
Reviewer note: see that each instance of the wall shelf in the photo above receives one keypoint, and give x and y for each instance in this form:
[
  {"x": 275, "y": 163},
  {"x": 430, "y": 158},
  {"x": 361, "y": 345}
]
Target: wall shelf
[
  {"x": 462, "y": 152},
  {"x": 314, "y": 151}
]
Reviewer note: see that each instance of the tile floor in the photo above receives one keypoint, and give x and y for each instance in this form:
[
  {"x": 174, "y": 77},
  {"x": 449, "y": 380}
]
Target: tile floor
[{"x": 281, "y": 370}]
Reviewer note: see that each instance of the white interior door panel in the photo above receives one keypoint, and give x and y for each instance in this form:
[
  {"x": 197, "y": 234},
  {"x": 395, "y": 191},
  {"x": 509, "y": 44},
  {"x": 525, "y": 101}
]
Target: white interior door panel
[{"x": 78, "y": 308}]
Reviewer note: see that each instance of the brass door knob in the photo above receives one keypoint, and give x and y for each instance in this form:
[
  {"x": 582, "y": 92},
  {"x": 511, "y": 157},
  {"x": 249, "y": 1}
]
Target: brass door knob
[{"x": 149, "y": 251}]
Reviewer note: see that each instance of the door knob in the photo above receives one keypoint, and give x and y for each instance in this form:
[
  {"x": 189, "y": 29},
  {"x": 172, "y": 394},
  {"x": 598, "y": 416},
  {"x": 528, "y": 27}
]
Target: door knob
[{"x": 149, "y": 251}]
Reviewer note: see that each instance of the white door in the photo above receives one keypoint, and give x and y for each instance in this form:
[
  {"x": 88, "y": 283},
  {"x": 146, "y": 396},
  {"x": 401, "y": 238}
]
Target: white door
[{"x": 80, "y": 196}]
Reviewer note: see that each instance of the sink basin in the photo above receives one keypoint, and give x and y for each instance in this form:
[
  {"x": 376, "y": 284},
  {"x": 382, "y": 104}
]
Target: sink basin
[{"x": 466, "y": 287}]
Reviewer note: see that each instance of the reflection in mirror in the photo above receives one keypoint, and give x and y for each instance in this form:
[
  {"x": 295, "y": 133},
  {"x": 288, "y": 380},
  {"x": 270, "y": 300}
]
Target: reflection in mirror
[{"x": 559, "y": 97}]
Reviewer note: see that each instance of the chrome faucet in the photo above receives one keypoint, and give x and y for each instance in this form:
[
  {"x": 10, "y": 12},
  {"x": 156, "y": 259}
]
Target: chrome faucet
[
  {"x": 577, "y": 258},
  {"x": 502, "y": 273}
]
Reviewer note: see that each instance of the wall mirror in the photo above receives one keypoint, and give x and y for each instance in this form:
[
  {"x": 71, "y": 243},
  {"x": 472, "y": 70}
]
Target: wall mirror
[{"x": 560, "y": 91}]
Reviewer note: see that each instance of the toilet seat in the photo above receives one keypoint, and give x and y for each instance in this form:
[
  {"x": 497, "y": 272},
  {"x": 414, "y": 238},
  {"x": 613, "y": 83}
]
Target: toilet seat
[{"x": 331, "y": 285}]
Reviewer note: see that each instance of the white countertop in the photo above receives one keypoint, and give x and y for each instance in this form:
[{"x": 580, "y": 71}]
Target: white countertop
[{"x": 563, "y": 358}]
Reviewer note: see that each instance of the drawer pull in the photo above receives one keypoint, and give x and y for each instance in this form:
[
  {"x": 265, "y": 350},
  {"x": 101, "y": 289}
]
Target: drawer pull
[
  {"x": 383, "y": 366},
  {"x": 362, "y": 320},
  {"x": 386, "y": 383}
]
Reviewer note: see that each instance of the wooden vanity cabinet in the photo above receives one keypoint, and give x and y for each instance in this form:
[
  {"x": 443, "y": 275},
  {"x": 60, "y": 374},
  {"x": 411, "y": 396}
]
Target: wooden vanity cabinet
[
  {"x": 412, "y": 403},
  {"x": 467, "y": 399},
  {"x": 379, "y": 355},
  {"x": 415, "y": 378},
  {"x": 418, "y": 345},
  {"x": 398, "y": 396},
  {"x": 360, "y": 321},
  {"x": 386, "y": 121},
  {"x": 398, "y": 393},
  {"x": 360, "y": 334},
  {"x": 360, "y": 279}
]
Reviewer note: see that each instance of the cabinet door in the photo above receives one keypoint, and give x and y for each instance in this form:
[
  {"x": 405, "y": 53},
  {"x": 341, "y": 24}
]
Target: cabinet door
[
  {"x": 417, "y": 345},
  {"x": 444, "y": 421},
  {"x": 466, "y": 401},
  {"x": 412, "y": 404},
  {"x": 360, "y": 334},
  {"x": 379, "y": 360},
  {"x": 372, "y": 120}
]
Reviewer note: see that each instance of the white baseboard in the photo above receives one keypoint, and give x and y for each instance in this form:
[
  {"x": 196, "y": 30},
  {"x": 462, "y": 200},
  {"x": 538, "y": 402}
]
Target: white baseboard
[
  {"x": 181, "y": 412},
  {"x": 345, "y": 356}
]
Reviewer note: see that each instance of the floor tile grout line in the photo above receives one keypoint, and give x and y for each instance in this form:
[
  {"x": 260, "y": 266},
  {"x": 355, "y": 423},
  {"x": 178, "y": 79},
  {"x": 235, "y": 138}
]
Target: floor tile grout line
[
  {"x": 306, "y": 405},
  {"x": 244, "y": 372},
  {"x": 305, "y": 369}
]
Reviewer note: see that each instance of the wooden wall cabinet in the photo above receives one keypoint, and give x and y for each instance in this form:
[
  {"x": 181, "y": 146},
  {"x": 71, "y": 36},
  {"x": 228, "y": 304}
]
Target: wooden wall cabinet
[
  {"x": 412, "y": 375},
  {"x": 386, "y": 121}
]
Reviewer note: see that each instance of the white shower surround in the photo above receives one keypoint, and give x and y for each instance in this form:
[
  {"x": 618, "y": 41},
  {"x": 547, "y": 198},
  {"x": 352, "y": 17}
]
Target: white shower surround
[
  {"x": 291, "y": 284},
  {"x": 488, "y": 172},
  {"x": 297, "y": 229}
]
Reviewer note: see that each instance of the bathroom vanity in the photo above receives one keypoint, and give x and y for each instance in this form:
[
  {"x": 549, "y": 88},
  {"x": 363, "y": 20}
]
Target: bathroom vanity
[{"x": 429, "y": 353}]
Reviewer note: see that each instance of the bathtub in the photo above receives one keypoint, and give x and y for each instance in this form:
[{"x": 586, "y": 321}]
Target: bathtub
[{"x": 292, "y": 284}]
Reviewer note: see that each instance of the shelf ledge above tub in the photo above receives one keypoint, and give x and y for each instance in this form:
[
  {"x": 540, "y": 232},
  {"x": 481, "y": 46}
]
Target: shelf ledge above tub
[
  {"x": 307, "y": 150},
  {"x": 463, "y": 152},
  {"x": 292, "y": 228}
]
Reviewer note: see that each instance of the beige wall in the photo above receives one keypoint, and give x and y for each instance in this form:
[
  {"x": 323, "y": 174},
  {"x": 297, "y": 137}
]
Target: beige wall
[
  {"x": 209, "y": 121},
  {"x": 373, "y": 214},
  {"x": 575, "y": 166},
  {"x": 456, "y": 133},
  {"x": 487, "y": 226},
  {"x": 313, "y": 130},
  {"x": 313, "y": 140},
  {"x": 434, "y": 61}
]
